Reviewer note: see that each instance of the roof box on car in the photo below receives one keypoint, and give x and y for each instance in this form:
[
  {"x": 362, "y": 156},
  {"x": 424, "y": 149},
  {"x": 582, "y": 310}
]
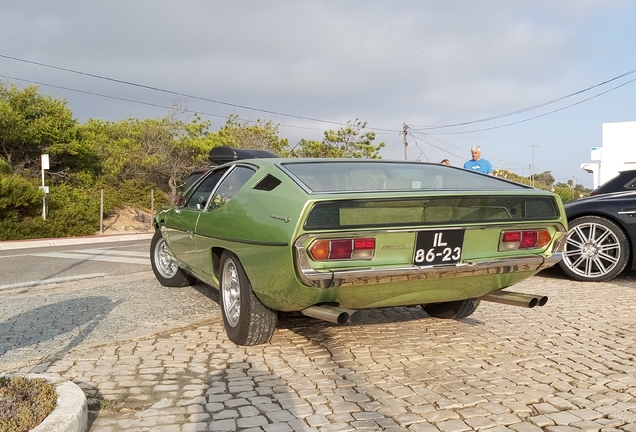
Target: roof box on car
[{"x": 221, "y": 155}]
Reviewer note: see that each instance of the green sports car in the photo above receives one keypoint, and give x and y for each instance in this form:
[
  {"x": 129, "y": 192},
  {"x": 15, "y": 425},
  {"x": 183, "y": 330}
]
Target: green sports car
[{"x": 329, "y": 237}]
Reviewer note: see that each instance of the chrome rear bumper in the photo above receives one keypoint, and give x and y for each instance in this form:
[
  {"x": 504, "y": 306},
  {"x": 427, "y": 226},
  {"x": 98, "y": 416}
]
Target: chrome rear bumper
[{"x": 329, "y": 279}]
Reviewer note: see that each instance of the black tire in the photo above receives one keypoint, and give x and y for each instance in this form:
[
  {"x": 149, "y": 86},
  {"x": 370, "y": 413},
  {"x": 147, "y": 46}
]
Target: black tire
[
  {"x": 247, "y": 321},
  {"x": 452, "y": 310},
  {"x": 167, "y": 272},
  {"x": 596, "y": 250}
]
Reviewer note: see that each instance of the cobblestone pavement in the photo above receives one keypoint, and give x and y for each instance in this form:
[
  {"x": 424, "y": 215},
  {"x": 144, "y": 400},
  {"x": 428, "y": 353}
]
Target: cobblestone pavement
[
  {"x": 41, "y": 324},
  {"x": 567, "y": 366}
]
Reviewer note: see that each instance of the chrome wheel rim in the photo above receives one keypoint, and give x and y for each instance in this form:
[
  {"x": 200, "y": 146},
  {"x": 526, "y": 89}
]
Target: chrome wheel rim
[
  {"x": 231, "y": 293},
  {"x": 163, "y": 260},
  {"x": 591, "y": 250}
]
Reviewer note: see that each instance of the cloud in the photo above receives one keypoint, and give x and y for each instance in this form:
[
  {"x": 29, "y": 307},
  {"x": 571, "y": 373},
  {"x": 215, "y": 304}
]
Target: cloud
[{"x": 385, "y": 62}]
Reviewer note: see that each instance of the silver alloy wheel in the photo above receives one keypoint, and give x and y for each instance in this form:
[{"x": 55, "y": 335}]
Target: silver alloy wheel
[
  {"x": 591, "y": 250},
  {"x": 231, "y": 293},
  {"x": 163, "y": 260}
]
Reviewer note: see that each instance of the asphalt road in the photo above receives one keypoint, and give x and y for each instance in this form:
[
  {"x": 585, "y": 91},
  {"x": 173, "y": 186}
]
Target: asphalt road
[
  {"x": 55, "y": 299},
  {"x": 39, "y": 266}
]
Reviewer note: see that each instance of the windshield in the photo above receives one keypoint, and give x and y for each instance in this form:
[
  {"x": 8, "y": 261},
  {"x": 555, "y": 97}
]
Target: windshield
[{"x": 361, "y": 176}]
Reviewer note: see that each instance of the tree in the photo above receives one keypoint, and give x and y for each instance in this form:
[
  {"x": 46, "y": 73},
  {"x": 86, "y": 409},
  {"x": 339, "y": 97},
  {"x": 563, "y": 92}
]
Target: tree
[
  {"x": 161, "y": 151},
  {"x": 315, "y": 149},
  {"x": 545, "y": 178},
  {"x": 115, "y": 147},
  {"x": 347, "y": 142},
  {"x": 262, "y": 135},
  {"x": 32, "y": 124},
  {"x": 177, "y": 149},
  {"x": 565, "y": 192}
]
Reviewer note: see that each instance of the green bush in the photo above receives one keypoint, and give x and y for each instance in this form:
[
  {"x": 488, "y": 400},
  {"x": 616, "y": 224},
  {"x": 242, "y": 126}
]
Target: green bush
[
  {"x": 19, "y": 197},
  {"x": 567, "y": 194},
  {"x": 5, "y": 168},
  {"x": 82, "y": 179},
  {"x": 137, "y": 192},
  {"x": 72, "y": 212}
]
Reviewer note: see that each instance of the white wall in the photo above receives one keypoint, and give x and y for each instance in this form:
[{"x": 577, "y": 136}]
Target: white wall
[{"x": 619, "y": 149}]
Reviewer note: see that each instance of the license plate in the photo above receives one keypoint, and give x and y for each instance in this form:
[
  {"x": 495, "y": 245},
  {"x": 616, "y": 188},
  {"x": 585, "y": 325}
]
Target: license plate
[{"x": 438, "y": 247}]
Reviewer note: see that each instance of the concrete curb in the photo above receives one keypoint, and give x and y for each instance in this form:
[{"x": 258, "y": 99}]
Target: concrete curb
[
  {"x": 71, "y": 412},
  {"x": 64, "y": 241}
]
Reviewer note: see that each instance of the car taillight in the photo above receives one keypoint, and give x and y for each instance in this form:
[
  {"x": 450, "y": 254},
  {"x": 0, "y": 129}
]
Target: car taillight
[
  {"x": 530, "y": 239},
  {"x": 342, "y": 249}
]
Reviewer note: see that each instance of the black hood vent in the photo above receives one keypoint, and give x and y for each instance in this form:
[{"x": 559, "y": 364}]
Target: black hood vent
[{"x": 268, "y": 183}]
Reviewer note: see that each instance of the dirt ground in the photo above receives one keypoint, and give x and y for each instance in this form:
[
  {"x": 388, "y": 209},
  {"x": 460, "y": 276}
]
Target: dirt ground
[{"x": 127, "y": 220}]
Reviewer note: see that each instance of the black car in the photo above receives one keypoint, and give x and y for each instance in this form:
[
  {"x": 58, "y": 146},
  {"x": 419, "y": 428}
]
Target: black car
[
  {"x": 625, "y": 181},
  {"x": 602, "y": 237}
]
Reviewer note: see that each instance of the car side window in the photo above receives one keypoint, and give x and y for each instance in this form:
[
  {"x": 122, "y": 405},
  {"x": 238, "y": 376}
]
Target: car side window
[
  {"x": 230, "y": 185},
  {"x": 192, "y": 179},
  {"x": 200, "y": 196}
]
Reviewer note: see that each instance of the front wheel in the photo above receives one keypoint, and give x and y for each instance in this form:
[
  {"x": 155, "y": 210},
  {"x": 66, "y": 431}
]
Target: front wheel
[
  {"x": 164, "y": 267},
  {"x": 452, "y": 310},
  {"x": 247, "y": 321},
  {"x": 596, "y": 250}
]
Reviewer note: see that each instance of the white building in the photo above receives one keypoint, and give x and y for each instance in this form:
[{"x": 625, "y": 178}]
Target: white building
[{"x": 617, "y": 154}]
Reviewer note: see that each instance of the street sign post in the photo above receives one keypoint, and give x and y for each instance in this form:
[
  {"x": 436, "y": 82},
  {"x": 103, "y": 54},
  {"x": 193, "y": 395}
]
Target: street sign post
[{"x": 45, "y": 166}]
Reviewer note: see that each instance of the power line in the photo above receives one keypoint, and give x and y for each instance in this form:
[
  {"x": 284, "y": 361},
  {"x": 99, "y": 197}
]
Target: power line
[
  {"x": 106, "y": 96},
  {"x": 537, "y": 116},
  {"x": 421, "y": 151},
  {"x": 443, "y": 146},
  {"x": 144, "y": 103},
  {"x": 532, "y": 107},
  {"x": 425, "y": 140},
  {"x": 438, "y": 140},
  {"x": 175, "y": 93}
]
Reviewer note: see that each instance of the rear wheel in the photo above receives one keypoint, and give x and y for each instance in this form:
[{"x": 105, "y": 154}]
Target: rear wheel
[
  {"x": 452, "y": 310},
  {"x": 164, "y": 267},
  {"x": 247, "y": 321},
  {"x": 596, "y": 250}
]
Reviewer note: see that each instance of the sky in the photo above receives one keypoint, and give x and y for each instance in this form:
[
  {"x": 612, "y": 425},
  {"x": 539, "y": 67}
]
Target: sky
[{"x": 311, "y": 66}]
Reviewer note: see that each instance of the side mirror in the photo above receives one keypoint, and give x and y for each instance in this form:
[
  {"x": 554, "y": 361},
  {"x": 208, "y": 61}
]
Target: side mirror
[{"x": 179, "y": 201}]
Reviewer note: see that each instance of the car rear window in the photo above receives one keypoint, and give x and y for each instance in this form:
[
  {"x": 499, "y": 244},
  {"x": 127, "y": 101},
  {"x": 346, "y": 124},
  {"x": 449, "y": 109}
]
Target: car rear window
[
  {"x": 435, "y": 210},
  {"x": 368, "y": 176}
]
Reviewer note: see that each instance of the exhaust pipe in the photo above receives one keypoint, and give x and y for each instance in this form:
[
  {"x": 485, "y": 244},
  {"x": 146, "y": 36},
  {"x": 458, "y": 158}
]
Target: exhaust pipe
[
  {"x": 332, "y": 314},
  {"x": 516, "y": 299}
]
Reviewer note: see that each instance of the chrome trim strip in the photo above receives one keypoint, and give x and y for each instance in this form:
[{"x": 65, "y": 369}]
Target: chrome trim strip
[{"x": 628, "y": 212}]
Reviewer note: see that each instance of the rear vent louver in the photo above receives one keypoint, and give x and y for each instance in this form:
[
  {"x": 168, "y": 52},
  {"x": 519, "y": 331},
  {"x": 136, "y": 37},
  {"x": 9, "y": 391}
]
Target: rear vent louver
[{"x": 268, "y": 183}]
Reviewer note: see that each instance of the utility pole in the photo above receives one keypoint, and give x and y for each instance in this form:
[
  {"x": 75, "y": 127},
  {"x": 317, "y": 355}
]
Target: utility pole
[
  {"x": 532, "y": 164},
  {"x": 406, "y": 143}
]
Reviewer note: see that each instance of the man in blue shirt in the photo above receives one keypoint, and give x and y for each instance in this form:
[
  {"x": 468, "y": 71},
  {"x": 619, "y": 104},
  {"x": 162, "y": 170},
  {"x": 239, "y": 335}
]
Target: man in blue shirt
[{"x": 477, "y": 163}]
